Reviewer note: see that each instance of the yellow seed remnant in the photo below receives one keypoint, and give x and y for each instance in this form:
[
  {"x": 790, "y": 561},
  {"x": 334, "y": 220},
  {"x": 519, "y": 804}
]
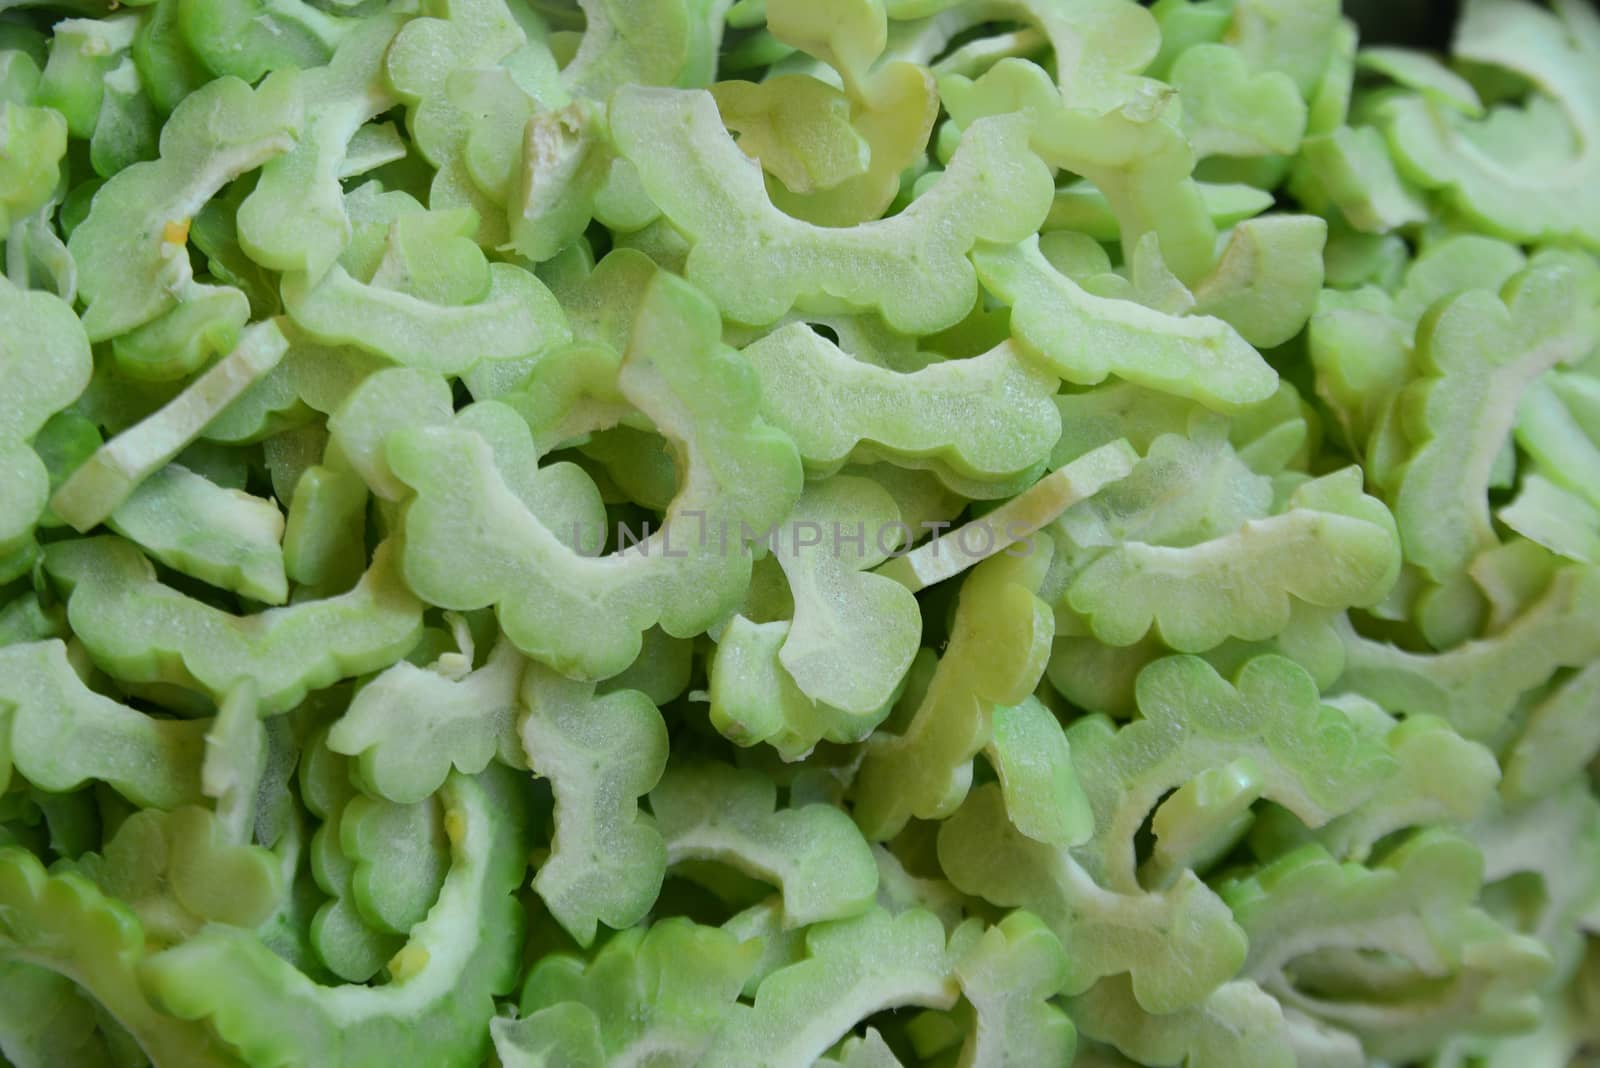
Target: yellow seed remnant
[
  {"x": 455, "y": 825},
  {"x": 176, "y": 233},
  {"x": 408, "y": 962}
]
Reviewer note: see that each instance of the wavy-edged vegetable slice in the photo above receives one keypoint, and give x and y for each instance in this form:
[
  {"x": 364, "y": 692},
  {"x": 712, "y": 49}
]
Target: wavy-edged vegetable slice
[
  {"x": 567, "y": 1033},
  {"x": 661, "y": 671},
  {"x": 37, "y": 143},
  {"x": 1483, "y": 169},
  {"x": 813, "y": 853},
  {"x": 113, "y": 596},
  {"x": 911, "y": 267},
  {"x": 26, "y": 619},
  {"x": 1178, "y": 944},
  {"x": 1086, "y": 338},
  {"x": 852, "y": 969},
  {"x": 1008, "y": 976},
  {"x": 222, "y": 536},
  {"x": 324, "y": 536},
  {"x": 59, "y": 734},
  {"x": 46, "y": 1020},
  {"x": 1475, "y": 686},
  {"x": 893, "y": 105},
  {"x": 797, "y": 126},
  {"x": 1033, "y": 761},
  {"x": 83, "y": 53},
  {"x": 1080, "y": 208},
  {"x": 63, "y": 923},
  {"x": 607, "y": 860},
  {"x": 384, "y": 402},
  {"x": 566, "y": 158},
  {"x": 1424, "y": 73},
  {"x": 1558, "y": 424},
  {"x": 999, "y": 643},
  {"x": 515, "y": 318},
  {"x": 1477, "y": 355},
  {"x": 1440, "y": 779},
  {"x": 1267, "y": 277},
  {"x": 45, "y": 356},
  {"x": 133, "y": 264},
  {"x": 1455, "y": 970},
  {"x": 181, "y": 870},
  {"x": 762, "y": 925},
  {"x": 1296, "y": 37},
  {"x": 553, "y": 398},
  {"x": 248, "y": 38},
  {"x": 585, "y": 615},
  {"x": 623, "y": 44},
  {"x": 1191, "y": 484},
  {"x": 1541, "y": 860},
  {"x": 1350, "y": 170},
  {"x": 989, "y": 416},
  {"x": 1360, "y": 339},
  {"x": 440, "y": 998},
  {"x": 854, "y": 633},
  {"x": 1310, "y": 760},
  {"x": 1304, "y": 755},
  {"x": 1554, "y": 517},
  {"x": 1230, "y": 110},
  {"x": 46, "y": 264},
  {"x": 340, "y": 936},
  {"x": 399, "y": 857},
  {"x": 1129, "y": 147},
  {"x": 1243, "y": 584},
  {"x": 450, "y": 37},
  {"x": 1561, "y": 736},
  {"x": 1238, "y": 1026},
  {"x": 658, "y": 994},
  {"x": 862, "y": 1051},
  {"x": 294, "y": 219},
  {"x": 754, "y": 699},
  {"x": 409, "y": 726},
  {"x": 1263, "y": 282}
]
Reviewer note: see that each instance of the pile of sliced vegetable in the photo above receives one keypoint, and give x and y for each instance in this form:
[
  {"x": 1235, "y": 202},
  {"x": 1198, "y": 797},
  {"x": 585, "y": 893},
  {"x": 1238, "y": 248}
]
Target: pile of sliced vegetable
[{"x": 778, "y": 533}]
